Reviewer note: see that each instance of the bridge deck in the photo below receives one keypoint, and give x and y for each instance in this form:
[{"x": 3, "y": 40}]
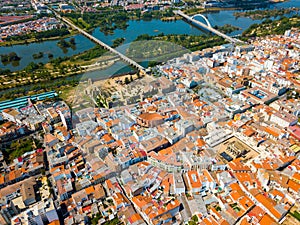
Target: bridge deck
[{"x": 123, "y": 57}]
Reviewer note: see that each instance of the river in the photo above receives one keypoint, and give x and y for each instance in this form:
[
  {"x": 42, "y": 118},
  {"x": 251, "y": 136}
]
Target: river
[{"x": 134, "y": 29}]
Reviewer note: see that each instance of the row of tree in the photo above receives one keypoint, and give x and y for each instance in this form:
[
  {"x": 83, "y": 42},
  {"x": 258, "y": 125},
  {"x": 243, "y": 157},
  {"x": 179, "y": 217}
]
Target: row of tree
[{"x": 40, "y": 35}]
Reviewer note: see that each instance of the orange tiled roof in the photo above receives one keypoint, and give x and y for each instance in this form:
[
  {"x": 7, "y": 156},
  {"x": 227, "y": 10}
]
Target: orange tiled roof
[
  {"x": 55, "y": 222},
  {"x": 134, "y": 218},
  {"x": 90, "y": 190},
  {"x": 269, "y": 204},
  {"x": 267, "y": 220},
  {"x": 107, "y": 138},
  {"x": 272, "y": 131},
  {"x": 294, "y": 185},
  {"x": 257, "y": 212},
  {"x": 296, "y": 177},
  {"x": 2, "y": 178},
  {"x": 49, "y": 138},
  {"x": 200, "y": 142},
  {"x": 194, "y": 179},
  {"x": 237, "y": 165},
  {"x": 151, "y": 116}
]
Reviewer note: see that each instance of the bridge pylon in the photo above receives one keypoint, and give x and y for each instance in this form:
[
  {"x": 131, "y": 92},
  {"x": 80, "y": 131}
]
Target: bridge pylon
[{"x": 202, "y": 16}]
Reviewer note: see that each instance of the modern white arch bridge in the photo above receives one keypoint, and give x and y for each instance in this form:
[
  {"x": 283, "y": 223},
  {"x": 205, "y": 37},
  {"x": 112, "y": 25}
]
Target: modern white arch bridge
[
  {"x": 207, "y": 27},
  {"x": 206, "y": 20}
]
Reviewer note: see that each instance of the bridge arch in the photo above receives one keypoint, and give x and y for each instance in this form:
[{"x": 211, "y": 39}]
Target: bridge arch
[{"x": 206, "y": 20}]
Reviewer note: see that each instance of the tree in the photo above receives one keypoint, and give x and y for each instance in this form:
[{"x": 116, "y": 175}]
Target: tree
[
  {"x": 64, "y": 44},
  {"x": 195, "y": 218},
  {"x": 10, "y": 57},
  {"x": 31, "y": 67},
  {"x": 72, "y": 41},
  {"x": 127, "y": 81},
  {"x": 18, "y": 148},
  {"x": 138, "y": 14}
]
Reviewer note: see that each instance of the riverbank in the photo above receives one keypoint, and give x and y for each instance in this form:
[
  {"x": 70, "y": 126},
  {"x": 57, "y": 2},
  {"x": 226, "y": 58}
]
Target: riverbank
[
  {"x": 263, "y": 14},
  {"x": 90, "y": 27},
  {"x": 136, "y": 27},
  {"x": 35, "y": 40},
  {"x": 100, "y": 65},
  {"x": 195, "y": 11},
  {"x": 61, "y": 84},
  {"x": 90, "y": 61},
  {"x": 58, "y": 69},
  {"x": 171, "y": 18},
  {"x": 271, "y": 27},
  {"x": 110, "y": 20}
]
